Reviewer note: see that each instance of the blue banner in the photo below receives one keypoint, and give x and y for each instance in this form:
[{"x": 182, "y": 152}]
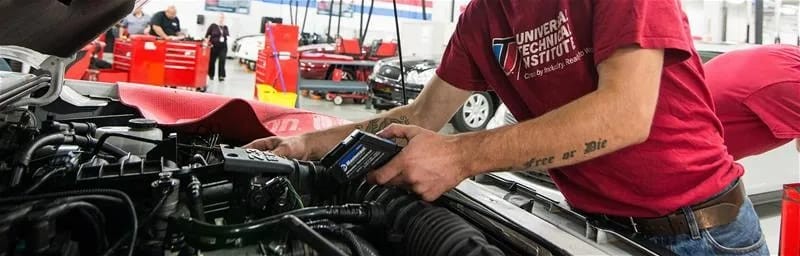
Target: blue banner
[{"x": 356, "y": 8}]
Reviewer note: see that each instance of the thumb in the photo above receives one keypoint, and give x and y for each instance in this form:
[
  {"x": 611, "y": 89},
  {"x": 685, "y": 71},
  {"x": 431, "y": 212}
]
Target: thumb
[
  {"x": 400, "y": 131},
  {"x": 264, "y": 143}
]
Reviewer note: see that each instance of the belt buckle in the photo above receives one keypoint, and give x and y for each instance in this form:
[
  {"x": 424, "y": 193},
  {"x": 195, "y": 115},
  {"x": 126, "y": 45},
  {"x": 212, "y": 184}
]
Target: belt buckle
[{"x": 634, "y": 225}]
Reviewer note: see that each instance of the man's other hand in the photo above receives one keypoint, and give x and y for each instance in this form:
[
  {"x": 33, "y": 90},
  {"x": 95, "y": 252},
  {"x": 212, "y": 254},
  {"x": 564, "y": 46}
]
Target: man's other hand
[
  {"x": 430, "y": 165},
  {"x": 291, "y": 147}
]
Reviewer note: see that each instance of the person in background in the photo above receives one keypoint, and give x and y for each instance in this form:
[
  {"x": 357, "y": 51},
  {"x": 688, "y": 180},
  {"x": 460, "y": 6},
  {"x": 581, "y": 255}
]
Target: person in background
[
  {"x": 217, "y": 34},
  {"x": 760, "y": 106},
  {"x": 165, "y": 24},
  {"x": 137, "y": 23}
]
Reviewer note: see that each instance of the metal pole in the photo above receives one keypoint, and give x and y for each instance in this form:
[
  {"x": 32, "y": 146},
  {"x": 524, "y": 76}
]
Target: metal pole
[
  {"x": 330, "y": 19},
  {"x": 361, "y": 24},
  {"x": 305, "y": 15},
  {"x": 452, "y": 10},
  {"x": 339, "y": 19},
  {"x": 369, "y": 18},
  {"x": 759, "y": 33},
  {"x": 778, "y": 7},
  {"x": 291, "y": 13},
  {"x": 424, "y": 13},
  {"x": 724, "y": 21}
]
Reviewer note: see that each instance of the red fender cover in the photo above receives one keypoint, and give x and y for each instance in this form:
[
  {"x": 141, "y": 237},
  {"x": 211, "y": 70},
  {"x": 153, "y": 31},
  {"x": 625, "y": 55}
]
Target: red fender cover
[{"x": 234, "y": 118}]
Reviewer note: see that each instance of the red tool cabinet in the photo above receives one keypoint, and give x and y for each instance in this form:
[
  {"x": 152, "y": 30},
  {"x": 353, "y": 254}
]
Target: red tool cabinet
[
  {"x": 283, "y": 45},
  {"x": 186, "y": 64},
  {"x": 142, "y": 57}
]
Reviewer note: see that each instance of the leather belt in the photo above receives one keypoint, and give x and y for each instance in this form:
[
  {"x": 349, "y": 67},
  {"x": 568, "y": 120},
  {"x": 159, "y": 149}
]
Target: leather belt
[{"x": 718, "y": 211}]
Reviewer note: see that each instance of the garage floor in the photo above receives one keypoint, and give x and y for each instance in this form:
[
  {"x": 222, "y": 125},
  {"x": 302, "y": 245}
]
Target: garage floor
[{"x": 240, "y": 82}]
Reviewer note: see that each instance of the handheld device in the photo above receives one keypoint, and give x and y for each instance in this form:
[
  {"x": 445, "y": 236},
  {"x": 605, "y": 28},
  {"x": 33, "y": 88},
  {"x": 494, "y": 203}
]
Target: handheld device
[{"x": 359, "y": 154}]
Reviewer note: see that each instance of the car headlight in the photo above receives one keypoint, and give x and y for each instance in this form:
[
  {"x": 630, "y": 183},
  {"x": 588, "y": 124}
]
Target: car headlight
[{"x": 420, "y": 78}]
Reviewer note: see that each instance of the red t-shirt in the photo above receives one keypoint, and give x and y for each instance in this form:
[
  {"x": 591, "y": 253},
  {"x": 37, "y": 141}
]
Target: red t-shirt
[
  {"x": 757, "y": 94},
  {"x": 538, "y": 55}
]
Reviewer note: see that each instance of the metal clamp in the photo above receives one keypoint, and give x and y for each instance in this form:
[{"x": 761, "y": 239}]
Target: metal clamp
[{"x": 634, "y": 225}]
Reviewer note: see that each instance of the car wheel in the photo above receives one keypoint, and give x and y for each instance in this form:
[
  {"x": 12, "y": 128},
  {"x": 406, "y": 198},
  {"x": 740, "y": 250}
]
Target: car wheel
[
  {"x": 475, "y": 113},
  {"x": 338, "y": 100},
  {"x": 251, "y": 66}
]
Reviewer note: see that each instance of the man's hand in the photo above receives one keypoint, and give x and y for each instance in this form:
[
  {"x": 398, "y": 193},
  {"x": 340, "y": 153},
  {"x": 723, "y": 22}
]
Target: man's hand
[
  {"x": 429, "y": 165},
  {"x": 291, "y": 147}
]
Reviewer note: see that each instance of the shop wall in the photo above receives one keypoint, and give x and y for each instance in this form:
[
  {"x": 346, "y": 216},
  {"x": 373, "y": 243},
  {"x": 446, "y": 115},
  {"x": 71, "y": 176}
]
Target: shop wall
[
  {"x": 381, "y": 26},
  {"x": 707, "y": 21}
]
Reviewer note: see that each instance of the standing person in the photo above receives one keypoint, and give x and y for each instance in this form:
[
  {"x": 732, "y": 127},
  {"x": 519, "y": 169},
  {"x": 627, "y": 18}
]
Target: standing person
[
  {"x": 137, "y": 23},
  {"x": 612, "y": 101},
  {"x": 760, "y": 106},
  {"x": 166, "y": 25},
  {"x": 218, "y": 34}
]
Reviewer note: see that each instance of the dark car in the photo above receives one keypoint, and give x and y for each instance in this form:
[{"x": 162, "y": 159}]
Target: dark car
[{"x": 386, "y": 91}]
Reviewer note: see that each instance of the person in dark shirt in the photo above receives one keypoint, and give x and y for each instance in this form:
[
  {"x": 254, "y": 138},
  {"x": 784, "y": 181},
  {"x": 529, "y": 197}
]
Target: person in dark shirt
[
  {"x": 217, "y": 34},
  {"x": 165, "y": 24}
]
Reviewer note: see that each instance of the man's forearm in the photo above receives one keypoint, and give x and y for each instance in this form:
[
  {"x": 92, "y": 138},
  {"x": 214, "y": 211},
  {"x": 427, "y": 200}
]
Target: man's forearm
[
  {"x": 579, "y": 131},
  {"x": 160, "y": 32}
]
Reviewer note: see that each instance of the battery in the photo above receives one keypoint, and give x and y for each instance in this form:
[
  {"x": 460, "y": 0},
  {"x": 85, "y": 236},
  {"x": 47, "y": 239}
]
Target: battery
[{"x": 359, "y": 154}]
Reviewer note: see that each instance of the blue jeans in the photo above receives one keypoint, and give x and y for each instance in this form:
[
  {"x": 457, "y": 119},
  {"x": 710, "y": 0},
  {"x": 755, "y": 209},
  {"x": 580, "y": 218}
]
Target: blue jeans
[{"x": 740, "y": 237}]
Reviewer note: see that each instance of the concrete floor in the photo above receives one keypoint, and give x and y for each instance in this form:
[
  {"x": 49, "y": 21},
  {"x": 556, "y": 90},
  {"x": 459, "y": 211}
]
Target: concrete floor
[{"x": 240, "y": 82}]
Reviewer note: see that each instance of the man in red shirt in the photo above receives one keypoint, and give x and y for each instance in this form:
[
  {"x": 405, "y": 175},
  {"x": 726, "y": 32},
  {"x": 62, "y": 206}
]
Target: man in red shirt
[
  {"x": 757, "y": 95},
  {"x": 611, "y": 98}
]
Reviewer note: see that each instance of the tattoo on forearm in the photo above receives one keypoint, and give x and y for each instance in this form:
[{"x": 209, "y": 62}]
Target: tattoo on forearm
[
  {"x": 543, "y": 163},
  {"x": 593, "y": 146},
  {"x": 568, "y": 155},
  {"x": 376, "y": 125}
]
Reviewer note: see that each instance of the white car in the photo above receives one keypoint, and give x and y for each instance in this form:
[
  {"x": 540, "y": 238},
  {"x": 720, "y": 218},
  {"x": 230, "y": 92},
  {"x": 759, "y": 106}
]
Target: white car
[{"x": 246, "y": 49}]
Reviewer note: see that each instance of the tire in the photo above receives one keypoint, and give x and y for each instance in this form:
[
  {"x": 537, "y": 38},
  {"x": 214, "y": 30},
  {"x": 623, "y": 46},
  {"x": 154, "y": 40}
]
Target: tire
[
  {"x": 202, "y": 89},
  {"x": 338, "y": 100},
  {"x": 475, "y": 113},
  {"x": 251, "y": 66},
  {"x": 330, "y": 96}
]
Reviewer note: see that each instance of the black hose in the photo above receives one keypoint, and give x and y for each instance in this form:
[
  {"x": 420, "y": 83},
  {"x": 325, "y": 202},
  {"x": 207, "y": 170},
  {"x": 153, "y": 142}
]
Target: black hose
[
  {"x": 357, "y": 213},
  {"x": 58, "y": 208},
  {"x": 117, "y": 193},
  {"x": 437, "y": 231},
  {"x": 26, "y": 153},
  {"x": 400, "y": 54},
  {"x": 42, "y": 180},
  {"x": 145, "y": 221},
  {"x": 25, "y": 156},
  {"x": 97, "y": 226},
  {"x": 311, "y": 237},
  {"x": 425, "y": 229},
  {"x": 358, "y": 245},
  {"x": 101, "y": 142}
]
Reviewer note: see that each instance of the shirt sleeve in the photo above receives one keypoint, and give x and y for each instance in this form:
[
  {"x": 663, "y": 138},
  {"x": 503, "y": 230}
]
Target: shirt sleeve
[
  {"x": 457, "y": 66},
  {"x": 158, "y": 20},
  {"x": 651, "y": 24},
  {"x": 778, "y": 106},
  {"x": 124, "y": 23}
]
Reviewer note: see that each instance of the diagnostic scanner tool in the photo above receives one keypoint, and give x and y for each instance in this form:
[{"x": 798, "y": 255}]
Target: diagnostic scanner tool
[{"x": 359, "y": 154}]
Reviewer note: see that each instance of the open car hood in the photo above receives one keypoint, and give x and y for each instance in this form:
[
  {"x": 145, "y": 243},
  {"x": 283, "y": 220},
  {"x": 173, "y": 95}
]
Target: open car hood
[{"x": 58, "y": 27}]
